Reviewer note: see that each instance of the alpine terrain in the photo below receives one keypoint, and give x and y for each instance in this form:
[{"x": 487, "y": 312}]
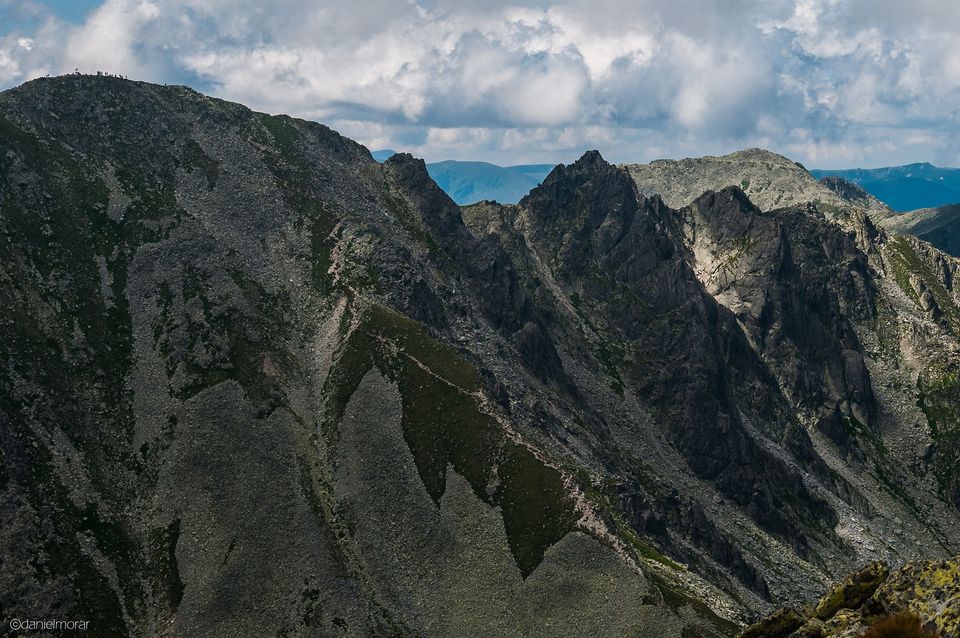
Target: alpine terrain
[
  {"x": 255, "y": 383},
  {"x": 938, "y": 226}
]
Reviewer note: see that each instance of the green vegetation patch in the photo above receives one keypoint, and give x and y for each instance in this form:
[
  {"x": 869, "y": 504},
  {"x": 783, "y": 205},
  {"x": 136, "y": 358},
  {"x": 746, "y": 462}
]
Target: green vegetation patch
[
  {"x": 321, "y": 220},
  {"x": 613, "y": 358},
  {"x": 63, "y": 332},
  {"x": 939, "y": 399},
  {"x": 640, "y": 547},
  {"x": 58, "y": 551},
  {"x": 537, "y": 511},
  {"x": 285, "y": 134},
  {"x": 674, "y": 597},
  {"x": 444, "y": 425},
  {"x": 67, "y": 333}
]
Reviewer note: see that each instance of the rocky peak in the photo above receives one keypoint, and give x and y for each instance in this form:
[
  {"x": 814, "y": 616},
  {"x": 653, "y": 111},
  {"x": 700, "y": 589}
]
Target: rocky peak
[
  {"x": 587, "y": 203},
  {"x": 770, "y": 181},
  {"x": 591, "y": 159},
  {"x": 845, "y": 188},
  {"x": 413, "y": 168},
  {"x": 590, "y": 175},
  {"x": 426, "y": 201}
]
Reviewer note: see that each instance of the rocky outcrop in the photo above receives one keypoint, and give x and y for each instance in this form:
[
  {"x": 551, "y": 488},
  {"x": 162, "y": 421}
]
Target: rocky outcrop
[
  {"x": 929, "y": 590},
  {"x": 606, "y": 243},
  {"x": 779, "y": 624},
  {"x": 852, "y": 592},
  {"x": 800, "y": 284},
  {"x": 923, "y": 593}
]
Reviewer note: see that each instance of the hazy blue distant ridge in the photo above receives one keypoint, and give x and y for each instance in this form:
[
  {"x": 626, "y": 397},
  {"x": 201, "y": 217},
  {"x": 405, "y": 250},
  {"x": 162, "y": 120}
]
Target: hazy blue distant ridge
[
  {"x": 383, "y": 154},
  {"x": 471, "y": 182},
  {"x": 905, "y": 188}
]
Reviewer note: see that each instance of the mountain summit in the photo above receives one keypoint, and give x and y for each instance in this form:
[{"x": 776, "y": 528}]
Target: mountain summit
[
  {"x": 255, "y": 382},
  {"x": 769, "y": 179}
]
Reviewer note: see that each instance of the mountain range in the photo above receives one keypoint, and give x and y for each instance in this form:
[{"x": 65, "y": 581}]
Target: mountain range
[
  {"x": 255, "y": 382},
  {"x": 920, "y": 188},
  {"x": 905, "y": 188},
  {"x": 471, "y": 182},
  {"x": 883, "y": 191}
]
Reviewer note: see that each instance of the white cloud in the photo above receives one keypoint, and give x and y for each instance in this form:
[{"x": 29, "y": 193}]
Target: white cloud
[
  {"x": 9, "y": 69},
  {"x": 826, "y": 80},
  {"x": 110, "y": 37}
]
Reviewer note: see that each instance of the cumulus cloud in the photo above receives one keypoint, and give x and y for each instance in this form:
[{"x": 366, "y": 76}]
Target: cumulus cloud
[
  {"x": 115, "y": 36},
  {"x": 830, "y": 82}
]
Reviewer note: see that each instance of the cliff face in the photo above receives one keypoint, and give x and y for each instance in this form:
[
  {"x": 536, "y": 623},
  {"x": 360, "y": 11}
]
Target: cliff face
[
  {"x": 892, "y": 282},
  {"x": 255, "y": 382}
]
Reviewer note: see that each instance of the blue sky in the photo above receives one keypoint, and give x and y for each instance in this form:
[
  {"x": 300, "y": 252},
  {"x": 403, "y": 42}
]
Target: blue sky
[
  {"x": 830, "y": 83},
  {"x": 20, "y": 15}
]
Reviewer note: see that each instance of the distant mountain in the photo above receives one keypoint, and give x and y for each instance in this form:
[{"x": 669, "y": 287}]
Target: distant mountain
[
  {"x": 905, "y": 188},
  {"x": 383, "y": 154},
  {"x": 537, "y": 171},
  {"x": 471, "y": 182}
]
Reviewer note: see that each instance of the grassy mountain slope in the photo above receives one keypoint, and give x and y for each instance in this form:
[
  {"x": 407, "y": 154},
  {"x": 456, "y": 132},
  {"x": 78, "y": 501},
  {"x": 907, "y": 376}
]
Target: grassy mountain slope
[
  {"x": 210, "y": 314},
  {"x": 938, "y": 226}
]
